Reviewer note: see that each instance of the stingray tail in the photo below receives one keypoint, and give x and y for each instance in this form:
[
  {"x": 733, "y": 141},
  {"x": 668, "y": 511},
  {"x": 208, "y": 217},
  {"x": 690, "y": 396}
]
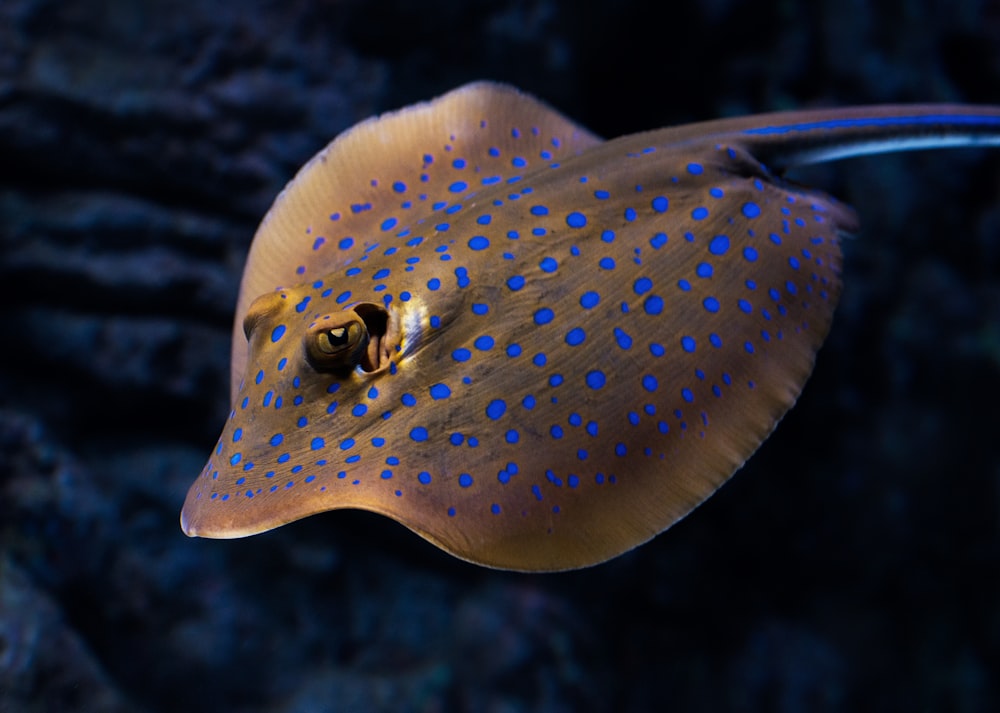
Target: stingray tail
[{"x": 783, "y": 141}]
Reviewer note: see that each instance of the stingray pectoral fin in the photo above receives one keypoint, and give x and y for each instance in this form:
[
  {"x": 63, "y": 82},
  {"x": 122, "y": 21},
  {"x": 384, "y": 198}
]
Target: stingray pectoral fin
[{"x": 394, "y": 169}]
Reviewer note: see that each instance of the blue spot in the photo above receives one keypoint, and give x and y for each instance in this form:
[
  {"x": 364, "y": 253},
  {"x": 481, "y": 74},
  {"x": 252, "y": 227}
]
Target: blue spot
[
  {"x": 419, "y": 434},
  {"x": 589, "y": 300},
  {"x": 608, "y": 236},
  {"x": 423, "y": 476},
  {"x": 317, "y": 443},
  {"x": 484, "y": 342},
  {"x": 660, "y": 204},
  {"x": 409, "y": 400},
  {"x": 539, "y": 210},
  {"x": 512, "y": 436},
  {"x": 688, "y": 344},
  {"x": 556, "y": 431},
  {"x": 751, "y": 210},
  {"x": 518, "y": 162},
  {"x": 345, "y": 243},
  {"x": 555, "y": 379},
  {"x": 539, "y": 359},
  {"x": 704, "y": 270},
  {"x": 715, "y": 340},
  {"x": 748, "y": 347},
  {"x": 623, "y": 339},
  {"x": 687, "y": 395},
  {"x": 700, "y": 213},
  {"x": 278, "y": 333},
  {"x": 399, "y": 187},
  {"x": 405, "y": 296},
  {"x": 433, "y": 284},
  {"x": 458, "y": 163},
  {"x": 479, "y": 242},
  {"x": 440, "y": 391},
  {"x": 359, "y": 410},
  {"x": 744, "y": 306},
  {"x": 381, "y": 274},
  {"x": 544, "y": 316},
  {"x": 514, "y": 350},
  {"x": 528, "y": 402},
  {"x": 388, "y": 224},
  {"x": 711, "y": 304},
  {"x": 548, "y": 264},
  {"x": 575, "y": 337},
  {"x": 496, "y": 409},
  {"x": 649, "y": 383},
  {"x": 642, "y": 285},
  {"x": 630, "y": 214},
  {"x": 620, "y": 449},
  {"x": 601, "y": 195},
  {"x": 465, "y": 480},
  {"x": 480, "y": 309},
  {"x": 576, "y": 220},
  {"x": 658, "y": 241},
  {"x": 458, "y": 186},
  {"x": 607, "y": 263},
  {"x": 695, "y": 169},
  {"x": 463, "y": 276},
  {"x": 596, "y": 379},
  {"x": 653, "y": 305},
  {"x": 386, "y": 474},
  {"x": 515, "y": 283},
  {"x": 749, "y": 254},
  {"x": 237, "y": 435},
  {"x": 719, "y": 245},
  {"x": 260, "y": 377},
  {"x": 484, "y": 219},
  {"x": 461, "y": 355}
]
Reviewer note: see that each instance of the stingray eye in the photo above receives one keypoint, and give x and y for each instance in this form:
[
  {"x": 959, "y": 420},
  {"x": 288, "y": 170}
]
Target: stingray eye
[
  {"x": 263, "y": 308},
  {"x": 336, "y": 341}
]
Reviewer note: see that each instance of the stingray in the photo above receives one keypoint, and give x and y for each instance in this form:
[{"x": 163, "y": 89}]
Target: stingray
[{"x": 532, "y": 347}]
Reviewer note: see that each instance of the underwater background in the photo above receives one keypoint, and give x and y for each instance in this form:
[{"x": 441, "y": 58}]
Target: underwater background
[{"x": 851, "y": 565}]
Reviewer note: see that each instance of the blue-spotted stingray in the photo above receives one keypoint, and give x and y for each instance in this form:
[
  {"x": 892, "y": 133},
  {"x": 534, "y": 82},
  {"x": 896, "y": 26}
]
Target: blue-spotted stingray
[{"x": 532, "y": 347}]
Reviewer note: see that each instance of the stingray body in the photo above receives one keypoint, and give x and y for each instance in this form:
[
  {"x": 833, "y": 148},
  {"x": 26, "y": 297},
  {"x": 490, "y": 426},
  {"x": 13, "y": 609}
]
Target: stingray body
[{"x": 532, "y": 347}]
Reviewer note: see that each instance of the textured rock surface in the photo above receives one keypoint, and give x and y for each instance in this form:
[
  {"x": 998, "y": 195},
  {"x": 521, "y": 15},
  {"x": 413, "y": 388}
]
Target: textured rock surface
[{"x": 849, "y": 567}]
